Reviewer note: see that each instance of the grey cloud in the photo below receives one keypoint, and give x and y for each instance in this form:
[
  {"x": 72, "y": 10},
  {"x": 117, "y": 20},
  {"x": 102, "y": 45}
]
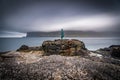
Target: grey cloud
[{"x": 21, "y": 15}]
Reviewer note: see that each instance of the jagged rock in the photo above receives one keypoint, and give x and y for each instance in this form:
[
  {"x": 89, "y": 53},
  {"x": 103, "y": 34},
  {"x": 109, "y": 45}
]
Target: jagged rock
[
  {"x": 27, "y": 48},
  {"x": 64, "y": 47},
  {"x": 23, "y": 47},
  {"x": 115, "y": 51},
  {"x": 104, "y": 49}
]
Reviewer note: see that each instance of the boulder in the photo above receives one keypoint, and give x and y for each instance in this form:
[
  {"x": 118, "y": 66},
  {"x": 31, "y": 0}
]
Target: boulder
[
  {"x": 23, "y": 47},
  {"x": 115, "y": 51},
  {"x": 27, "y": 48},
  {"x": 63, "y": 47}
]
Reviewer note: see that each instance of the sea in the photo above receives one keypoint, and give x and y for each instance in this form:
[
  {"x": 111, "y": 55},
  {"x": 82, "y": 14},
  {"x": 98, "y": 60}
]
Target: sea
[{"x": 91, "y": 43}]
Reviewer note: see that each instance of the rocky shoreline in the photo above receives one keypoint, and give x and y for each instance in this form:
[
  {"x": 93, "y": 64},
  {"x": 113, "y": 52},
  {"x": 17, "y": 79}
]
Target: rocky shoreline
[{"x": 61, "y": 60}]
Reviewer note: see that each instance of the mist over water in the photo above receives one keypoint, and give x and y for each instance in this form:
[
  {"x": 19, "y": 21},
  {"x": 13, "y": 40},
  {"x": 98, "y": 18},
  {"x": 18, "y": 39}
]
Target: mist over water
[{"x": 91, "y": 43}]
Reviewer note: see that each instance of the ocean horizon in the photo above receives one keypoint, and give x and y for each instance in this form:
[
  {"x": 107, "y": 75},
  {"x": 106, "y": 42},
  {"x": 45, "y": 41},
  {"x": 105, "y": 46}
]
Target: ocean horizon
[{"x": 91, "y": 43}]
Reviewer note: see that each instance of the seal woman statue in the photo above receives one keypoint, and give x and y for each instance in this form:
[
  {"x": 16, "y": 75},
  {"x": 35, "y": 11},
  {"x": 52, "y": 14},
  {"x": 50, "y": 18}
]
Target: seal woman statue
[{"x": 62, "y": 33}]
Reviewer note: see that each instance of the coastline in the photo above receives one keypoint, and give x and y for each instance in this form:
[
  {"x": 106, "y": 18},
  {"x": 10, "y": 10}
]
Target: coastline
[
  {"x": 52, "y": 61},
  {"x": 8, "y": 44}
]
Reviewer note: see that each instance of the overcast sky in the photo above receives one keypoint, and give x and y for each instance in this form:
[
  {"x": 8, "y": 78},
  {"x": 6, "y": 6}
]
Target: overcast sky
[{"x": 21, "y": 16}]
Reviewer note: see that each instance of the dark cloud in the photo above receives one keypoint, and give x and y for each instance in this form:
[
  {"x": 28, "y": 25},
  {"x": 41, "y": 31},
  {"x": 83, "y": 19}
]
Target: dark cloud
[{"x": 28, "y": 15}]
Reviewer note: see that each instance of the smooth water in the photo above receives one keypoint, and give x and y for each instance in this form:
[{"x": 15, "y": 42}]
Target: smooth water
[{"x": 92, "y": 43}]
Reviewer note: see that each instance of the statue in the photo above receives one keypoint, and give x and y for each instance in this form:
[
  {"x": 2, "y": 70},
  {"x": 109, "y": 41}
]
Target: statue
[{"x": 62, "y": 33}]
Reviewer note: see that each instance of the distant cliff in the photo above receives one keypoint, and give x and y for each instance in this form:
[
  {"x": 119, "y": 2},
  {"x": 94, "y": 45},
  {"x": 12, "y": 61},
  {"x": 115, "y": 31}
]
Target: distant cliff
[{"x": 73, "y": 34}]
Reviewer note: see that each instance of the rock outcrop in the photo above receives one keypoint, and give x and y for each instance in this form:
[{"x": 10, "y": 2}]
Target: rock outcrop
[
  {"x": 28, "y": 63},
  {"x": 115, "y": 51},
  {"x": 63, "y": 47},
  {"x": 23, "y": 47},
  {"x": 27, "y": 48},
  {"x": 112, "y": 51}
]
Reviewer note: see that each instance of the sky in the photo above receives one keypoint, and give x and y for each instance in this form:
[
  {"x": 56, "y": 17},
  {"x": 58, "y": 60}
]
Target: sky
[{"x": 17, "y": 17}]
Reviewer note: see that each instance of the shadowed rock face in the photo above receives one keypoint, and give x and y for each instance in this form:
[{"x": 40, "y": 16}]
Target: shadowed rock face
[
  {"x": 115, "y": 51},
  {"x": 27, "y": 48},
  {"x": 112, "y": 51},
  {"x": 63, "y": 47},
  {"x": 23, "y": 47}
]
